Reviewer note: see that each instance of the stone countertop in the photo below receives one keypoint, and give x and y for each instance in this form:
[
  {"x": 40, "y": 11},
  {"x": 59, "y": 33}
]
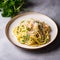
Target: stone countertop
[{"x": 8, "y": 51}]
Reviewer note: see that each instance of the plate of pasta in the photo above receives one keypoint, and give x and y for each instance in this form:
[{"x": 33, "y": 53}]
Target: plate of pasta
[{"x": 31, "y": 30}]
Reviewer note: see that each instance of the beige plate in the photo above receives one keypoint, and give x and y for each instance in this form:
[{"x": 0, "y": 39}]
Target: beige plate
[{"x": 15, "y": 21}]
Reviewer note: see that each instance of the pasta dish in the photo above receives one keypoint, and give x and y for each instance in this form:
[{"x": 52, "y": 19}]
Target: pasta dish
[{"x": 32, "y": 32}]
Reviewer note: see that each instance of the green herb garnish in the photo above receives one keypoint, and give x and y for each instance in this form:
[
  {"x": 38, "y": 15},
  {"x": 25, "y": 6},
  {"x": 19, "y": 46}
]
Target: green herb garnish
[
  {"x": 12, "y": 7},
  {"x": 26, "y": 37},
  {"x": 28, "y": 29}
]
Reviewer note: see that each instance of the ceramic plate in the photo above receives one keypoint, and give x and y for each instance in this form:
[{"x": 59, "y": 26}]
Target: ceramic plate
[{"x": 15, "y": 21}]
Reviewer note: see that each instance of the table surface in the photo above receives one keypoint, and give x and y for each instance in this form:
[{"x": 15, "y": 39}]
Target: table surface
[{"x": 8, "y": 51}]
